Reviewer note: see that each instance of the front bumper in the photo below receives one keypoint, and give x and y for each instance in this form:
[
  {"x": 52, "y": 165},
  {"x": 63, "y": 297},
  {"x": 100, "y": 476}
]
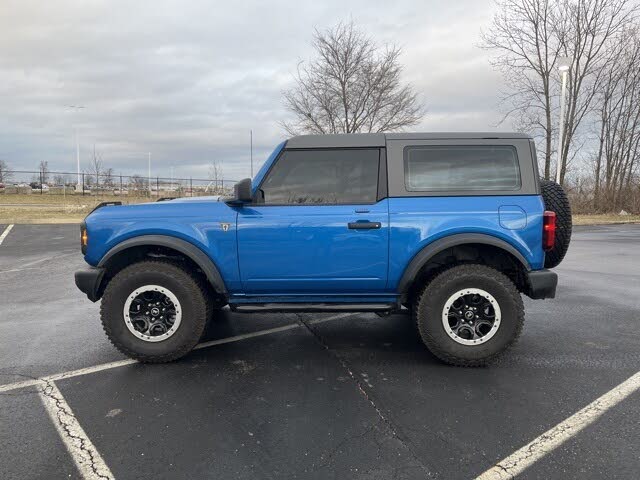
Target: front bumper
[
  {"x": 542, "y": 284},
  {"x": 89, "y": 281}
]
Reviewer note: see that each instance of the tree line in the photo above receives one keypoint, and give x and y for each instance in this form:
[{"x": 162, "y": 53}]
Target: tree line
[
  {"x": 601, "y": 142},
  {"x": 354, "y": 85}
]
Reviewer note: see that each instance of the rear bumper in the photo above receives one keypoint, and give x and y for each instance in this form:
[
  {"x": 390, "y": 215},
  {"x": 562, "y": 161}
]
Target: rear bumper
[
  {"x": 542, "y": 284},
  {"x": 88, "y": 281}
]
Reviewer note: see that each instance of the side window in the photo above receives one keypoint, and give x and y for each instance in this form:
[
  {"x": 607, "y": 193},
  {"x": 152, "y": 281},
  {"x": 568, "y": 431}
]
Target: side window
[
  {"x": 323, "y": 177},
  {"x": 432, "y": 168}
]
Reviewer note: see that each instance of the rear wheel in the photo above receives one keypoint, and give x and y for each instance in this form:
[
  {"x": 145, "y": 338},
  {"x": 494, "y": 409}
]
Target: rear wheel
[
  {"x": 153, "y": 311},
  {"x": 469, "y": 314}
]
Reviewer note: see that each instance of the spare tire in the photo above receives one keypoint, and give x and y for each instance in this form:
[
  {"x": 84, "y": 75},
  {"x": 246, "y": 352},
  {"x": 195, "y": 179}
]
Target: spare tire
[{"x": 555, "y": 200}]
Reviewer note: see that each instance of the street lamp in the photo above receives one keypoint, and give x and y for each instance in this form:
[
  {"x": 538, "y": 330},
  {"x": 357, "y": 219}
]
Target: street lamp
[
  {"x": 77, "y": 108},
  {"x": 564, "y": 64}
]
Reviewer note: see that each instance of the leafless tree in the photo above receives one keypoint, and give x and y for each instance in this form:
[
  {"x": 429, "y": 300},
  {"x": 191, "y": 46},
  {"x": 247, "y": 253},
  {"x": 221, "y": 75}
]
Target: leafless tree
[
  {"x": 5, "y": 172},
  {"x": 523, "y": 37},
  {"x": 138, "y": 182},
  {"x": 589, "y": 33},
  {"x": 618, "y": 100},
  {"x": 43, "y": 171},
  {"x": 95, "y": 168},
  {"x": 528, "y": 37},
  {"x": 59, "y": 179},
  {"x": 215, "y": 173},
  {"x": 107, "y": 177},
  {"x": 87, "y": 178},
  {"x": 352, "y": 86}
]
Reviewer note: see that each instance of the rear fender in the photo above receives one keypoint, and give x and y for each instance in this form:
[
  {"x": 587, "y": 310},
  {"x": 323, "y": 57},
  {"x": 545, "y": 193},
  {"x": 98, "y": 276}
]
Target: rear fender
[{"x": 431, "y": 250}]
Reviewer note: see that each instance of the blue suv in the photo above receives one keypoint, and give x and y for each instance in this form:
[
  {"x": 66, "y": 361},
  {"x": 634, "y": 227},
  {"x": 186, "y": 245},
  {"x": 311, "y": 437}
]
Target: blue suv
[{"x": 451, "y": 227}]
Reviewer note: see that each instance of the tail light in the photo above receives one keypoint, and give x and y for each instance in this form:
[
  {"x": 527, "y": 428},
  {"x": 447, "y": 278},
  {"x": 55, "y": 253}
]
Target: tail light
[{"x": 548, "y": 230}]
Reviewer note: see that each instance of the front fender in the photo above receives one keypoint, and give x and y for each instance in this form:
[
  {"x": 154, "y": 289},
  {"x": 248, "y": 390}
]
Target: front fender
[{"x": 190, "y": 250}]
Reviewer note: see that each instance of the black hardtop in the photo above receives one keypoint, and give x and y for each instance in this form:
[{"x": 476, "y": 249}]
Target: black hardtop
[{"x": 363, "y": 140}]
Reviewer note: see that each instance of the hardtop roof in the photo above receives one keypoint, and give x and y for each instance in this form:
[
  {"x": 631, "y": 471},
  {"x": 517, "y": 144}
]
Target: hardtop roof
[{"x": 355, "y": 140}]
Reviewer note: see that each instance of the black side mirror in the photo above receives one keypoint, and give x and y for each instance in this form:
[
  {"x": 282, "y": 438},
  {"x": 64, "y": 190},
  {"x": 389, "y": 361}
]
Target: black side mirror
[{"x": 242, "y": 193}]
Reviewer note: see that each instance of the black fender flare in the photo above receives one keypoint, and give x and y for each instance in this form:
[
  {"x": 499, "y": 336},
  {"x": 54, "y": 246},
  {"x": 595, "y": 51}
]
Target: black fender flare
[
  {"x": 429, "y": 251},
  {"x": 187, "y": 249}
]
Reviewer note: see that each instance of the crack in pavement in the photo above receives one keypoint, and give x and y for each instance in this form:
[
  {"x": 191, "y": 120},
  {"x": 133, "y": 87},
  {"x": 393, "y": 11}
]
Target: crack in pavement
[
  {"x": 406, "y": 443},
  {"x": 84, "y": 453}
]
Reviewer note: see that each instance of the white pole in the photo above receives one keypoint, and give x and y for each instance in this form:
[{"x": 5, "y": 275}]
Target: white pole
[
  {"x": 149, "y": 173},
  {"x": 78, "y": 156},
  {"x": 561, "y": 127}
]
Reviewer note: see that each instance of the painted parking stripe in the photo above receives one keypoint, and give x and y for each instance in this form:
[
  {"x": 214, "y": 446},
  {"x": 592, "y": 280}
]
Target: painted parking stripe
[
  {"x": 85, "y": 455},
  {"x": 516, "y": 463},
  {"x": 5, "y": 233},
  {"x": 268, "y": 331},
  {"x": 121, "y": 363}
]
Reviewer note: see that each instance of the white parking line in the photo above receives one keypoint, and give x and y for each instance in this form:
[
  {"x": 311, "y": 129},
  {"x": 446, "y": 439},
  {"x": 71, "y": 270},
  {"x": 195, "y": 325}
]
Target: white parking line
[
  {"x": 516, "y": 463},
  {"x": 259, "y": 333},
  {"x": 121, "y": 363},
  {"x": 5, "y": 233},
  {"x": 84, "y": 453}
]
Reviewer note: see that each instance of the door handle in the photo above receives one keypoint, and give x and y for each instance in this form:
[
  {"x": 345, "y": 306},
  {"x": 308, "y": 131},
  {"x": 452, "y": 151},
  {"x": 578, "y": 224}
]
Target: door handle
[{"x": 364, "y": 225}]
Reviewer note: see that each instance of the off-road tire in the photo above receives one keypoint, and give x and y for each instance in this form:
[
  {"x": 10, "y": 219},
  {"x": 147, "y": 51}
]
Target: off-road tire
[
  {"x": 555, "y": 200},
  {"x": 430, "y": 303},
  {"x": 166, "y": 274}
]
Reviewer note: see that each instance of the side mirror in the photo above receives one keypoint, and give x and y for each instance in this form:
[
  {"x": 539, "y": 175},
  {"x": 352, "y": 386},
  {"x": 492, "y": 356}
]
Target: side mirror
[{"x": 242, "y": 193}]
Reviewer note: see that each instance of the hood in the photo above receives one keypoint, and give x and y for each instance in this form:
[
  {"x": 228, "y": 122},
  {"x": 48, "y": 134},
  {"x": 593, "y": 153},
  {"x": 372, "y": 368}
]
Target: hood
[{"x": 177, "y": 208}]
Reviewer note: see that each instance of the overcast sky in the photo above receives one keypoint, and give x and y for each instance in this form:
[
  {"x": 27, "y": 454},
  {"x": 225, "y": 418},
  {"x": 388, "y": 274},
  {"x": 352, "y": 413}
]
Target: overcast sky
[{"x": 187, "y": 80}]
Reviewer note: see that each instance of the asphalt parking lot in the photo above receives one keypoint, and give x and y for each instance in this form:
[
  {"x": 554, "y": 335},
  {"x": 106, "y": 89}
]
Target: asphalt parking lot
[{"x": 315, "y": 396}]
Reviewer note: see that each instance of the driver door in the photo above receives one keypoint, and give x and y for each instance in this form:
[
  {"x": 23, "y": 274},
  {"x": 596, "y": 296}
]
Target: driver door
[{"x": 317, "y": 225}]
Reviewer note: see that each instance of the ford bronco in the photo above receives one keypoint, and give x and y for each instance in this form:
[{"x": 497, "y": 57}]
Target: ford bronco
[{"x": 451, "y": 227}]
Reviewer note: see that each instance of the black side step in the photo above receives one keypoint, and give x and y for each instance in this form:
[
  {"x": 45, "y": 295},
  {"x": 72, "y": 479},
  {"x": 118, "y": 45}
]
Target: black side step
[{"x": 313, "y": 307}]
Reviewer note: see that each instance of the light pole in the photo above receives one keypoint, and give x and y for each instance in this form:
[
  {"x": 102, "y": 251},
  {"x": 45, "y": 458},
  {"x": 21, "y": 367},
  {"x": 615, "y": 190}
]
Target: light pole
[
  {"x": 564, "y": 64},
  {"x": 251, "y": 143},
  {"x": 77, "y": 108},
  {"x": 149, "y": 173}
]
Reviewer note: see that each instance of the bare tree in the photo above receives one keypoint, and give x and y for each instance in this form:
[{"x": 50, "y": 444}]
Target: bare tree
[
  {"x": 215, "y": 173},
  {"x": 43, "y": 171},
  {"x": 59, "y": 179},
  {"x": 139, "y": 182},
  {"x": 589, "y": 31},
  {"x": 95, "y": 168},
  {"x": 618, "y": 100},
  {"x": 107, "y": 177},
  {"x": 528, "y": 37},
  {"x": 352, "y": 86},
  {"x": 523, "y": 37},
  {"x": 5, "y": 172}
]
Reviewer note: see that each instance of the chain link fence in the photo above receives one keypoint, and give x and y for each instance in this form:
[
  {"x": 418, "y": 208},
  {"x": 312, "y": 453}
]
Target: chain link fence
[{"x": 67, "y": 183}]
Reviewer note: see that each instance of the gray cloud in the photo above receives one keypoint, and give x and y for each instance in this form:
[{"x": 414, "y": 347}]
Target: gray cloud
[{"x": 187, "y": 80}]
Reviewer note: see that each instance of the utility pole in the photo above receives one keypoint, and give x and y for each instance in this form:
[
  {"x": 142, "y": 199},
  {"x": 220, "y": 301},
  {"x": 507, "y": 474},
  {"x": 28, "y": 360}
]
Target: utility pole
[
  {"x": 149, "y": 174},
  {"x": 77, "y": 108},
  {"x": 251, "y": 143}
]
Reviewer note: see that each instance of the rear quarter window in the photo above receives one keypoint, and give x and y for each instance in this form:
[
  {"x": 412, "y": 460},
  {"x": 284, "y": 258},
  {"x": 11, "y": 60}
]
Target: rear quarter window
[{"x": 441, "y": 168}]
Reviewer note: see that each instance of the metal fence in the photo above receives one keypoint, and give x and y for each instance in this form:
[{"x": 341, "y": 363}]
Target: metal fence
[{"x": 68, "y": 183}]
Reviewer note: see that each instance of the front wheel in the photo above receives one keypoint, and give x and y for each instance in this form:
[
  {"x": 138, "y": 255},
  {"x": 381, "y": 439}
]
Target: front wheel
[
  {"x": 469, "y": 315},
  {"x": 154, "y": 311}
]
